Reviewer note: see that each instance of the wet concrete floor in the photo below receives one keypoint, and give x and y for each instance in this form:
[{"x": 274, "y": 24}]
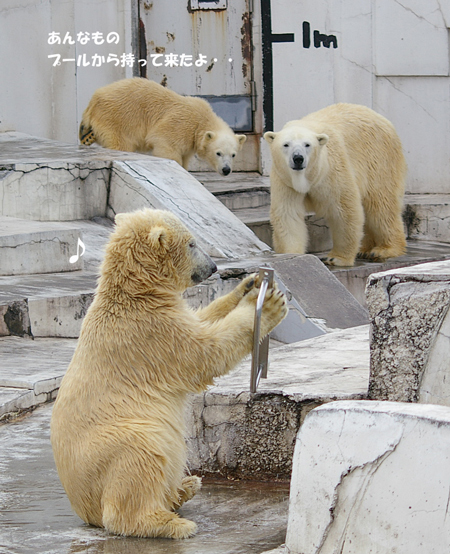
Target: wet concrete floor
[{"x": 36, "y": 517}]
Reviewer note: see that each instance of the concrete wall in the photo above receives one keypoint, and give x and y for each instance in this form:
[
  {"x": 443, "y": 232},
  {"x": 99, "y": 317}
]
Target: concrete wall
[{"x": 44, "y": 100}]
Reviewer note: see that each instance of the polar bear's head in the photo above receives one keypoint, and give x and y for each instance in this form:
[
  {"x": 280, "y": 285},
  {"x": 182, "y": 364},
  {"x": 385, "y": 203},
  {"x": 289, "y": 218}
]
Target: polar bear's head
[
  {"x": 295, "y": 146},
  {"x": 219, "y": 148},
  {"x": 152, "y": 250}
]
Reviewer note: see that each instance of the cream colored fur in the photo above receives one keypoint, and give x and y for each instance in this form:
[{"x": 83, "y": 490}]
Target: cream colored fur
[
  {"x": 353, "y": 176},
  {"x": 117, "y": 426},
  {"x": 137, "y": 115}
]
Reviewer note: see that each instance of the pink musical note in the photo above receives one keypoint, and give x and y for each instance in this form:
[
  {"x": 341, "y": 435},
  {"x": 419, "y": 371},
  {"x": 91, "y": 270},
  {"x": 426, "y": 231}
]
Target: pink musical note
[{"x": 75, "y": 257}]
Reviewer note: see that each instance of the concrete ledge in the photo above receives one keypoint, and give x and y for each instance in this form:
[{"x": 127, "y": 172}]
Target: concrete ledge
[
  {"x": 371, "y": 477},
  {"x": 31, "y": 372},
  {"x": 31, "y": 247},
  {"x": 427, "y": 216},
  {"x": 407, "y": 308},
  {"x": 234, "y": 433}
]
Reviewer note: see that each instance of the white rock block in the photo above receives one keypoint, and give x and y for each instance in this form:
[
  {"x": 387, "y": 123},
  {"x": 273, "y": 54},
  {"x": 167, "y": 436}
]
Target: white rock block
[{"x": 371, "y": 477}]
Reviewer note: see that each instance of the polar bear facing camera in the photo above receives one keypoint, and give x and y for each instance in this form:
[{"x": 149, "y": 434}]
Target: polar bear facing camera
[
  {"x": 117, "y": 426},
  {"x": 137, "y": 115},
  {"x": 346, "y": 164}
]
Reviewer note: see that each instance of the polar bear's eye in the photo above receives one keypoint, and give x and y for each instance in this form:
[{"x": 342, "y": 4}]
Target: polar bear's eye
[
  {"x": 307, "y": 145},
  {"x": 192, "y": 244},
  {"x": 219, "y": 153},
  {"x": 286, "y": 145},
  {"x": 233, "y": 155}
]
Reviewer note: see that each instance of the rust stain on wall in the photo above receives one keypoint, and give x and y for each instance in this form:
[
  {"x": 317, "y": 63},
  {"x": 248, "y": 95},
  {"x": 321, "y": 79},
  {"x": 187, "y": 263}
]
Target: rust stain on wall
[{"x": 246, "y": 43}]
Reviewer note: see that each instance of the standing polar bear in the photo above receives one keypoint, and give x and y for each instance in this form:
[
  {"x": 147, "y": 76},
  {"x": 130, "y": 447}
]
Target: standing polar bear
[
  {"x": 346, "y": 164},
  {"x": 117, "y": 426},
  {"x": 137, "y": 115}
]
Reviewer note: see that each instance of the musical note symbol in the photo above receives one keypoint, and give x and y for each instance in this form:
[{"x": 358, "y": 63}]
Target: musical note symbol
[{"x": 75, "y": 257}]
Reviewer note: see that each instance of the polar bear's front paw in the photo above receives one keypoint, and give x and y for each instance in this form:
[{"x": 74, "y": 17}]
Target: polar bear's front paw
[
  {"x": 338, "y": 261},
  {"x": 274, "y": 310},
  {"x": 246, "y": 285}
]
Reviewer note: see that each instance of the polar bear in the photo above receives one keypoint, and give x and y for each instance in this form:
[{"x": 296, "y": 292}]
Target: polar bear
[
  {"x": 138, "y": 115},
  {"x": 345, "y": 163},
  {"x": 117, "y": 427}
]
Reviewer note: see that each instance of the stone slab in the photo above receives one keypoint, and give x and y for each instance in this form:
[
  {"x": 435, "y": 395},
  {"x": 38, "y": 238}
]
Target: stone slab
[
  {"x": 23, "y": 148},
  {"x": 371, "y": 477},
  {"x": 407, "y": 308},
  {"x": 320, "y": 294},
  {"x": 36, "y": 247},
  {"x": 163, "y": 184},
  {"x": 31, "y": 371}
]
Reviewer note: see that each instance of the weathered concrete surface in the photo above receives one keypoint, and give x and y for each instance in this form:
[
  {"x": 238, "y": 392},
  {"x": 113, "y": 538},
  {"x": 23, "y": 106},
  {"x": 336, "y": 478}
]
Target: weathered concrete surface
[
  {"x": 406, "y": 307},
  {"x": 427, "y": 216},
  {"x": 371, "y": 477},
  {"x": 234, "y": 433},
  {"x": 31, "y": 247},
  {"x": 36, "y": 517},
  {"x": 31, "y": 371},
  {"x": 435, "y": 383},
  {"x": 163, "y": 184}
]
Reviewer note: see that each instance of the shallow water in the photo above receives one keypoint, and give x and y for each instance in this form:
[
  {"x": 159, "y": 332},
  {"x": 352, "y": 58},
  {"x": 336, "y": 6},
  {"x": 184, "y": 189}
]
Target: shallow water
[{"x": 36, "y": 517}]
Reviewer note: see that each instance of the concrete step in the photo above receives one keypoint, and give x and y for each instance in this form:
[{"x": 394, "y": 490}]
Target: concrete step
[
  {"x": 31, "y": 371},
  {"x": 417, "y": 252},
  {"x": 36, "y": 247},
  {"x": 238, "y": 190},
  {"x": 427, "y": 216}
]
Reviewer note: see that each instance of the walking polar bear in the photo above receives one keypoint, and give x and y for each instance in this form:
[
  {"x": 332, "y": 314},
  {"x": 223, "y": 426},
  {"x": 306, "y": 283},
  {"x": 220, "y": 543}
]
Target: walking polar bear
[
  {"x": 137, "y": 115},
  {"x": 117, "y": 426},
  {"x": 345, "y": 163}
]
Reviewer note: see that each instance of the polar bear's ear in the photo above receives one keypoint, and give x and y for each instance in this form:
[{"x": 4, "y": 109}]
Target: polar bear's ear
[
  {"x": 241, "y": 140},
  {"x": 323, "y": 139},
  {"x": 157, "y": 236},
  {"x": 209, "y": 135},
  {"x": 269, "y": 136}
]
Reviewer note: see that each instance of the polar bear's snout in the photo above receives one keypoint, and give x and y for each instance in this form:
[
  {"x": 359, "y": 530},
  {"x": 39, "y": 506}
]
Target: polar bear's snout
[
  {"x": 204, "y": 266},
  {"x": 298, "y": 161},
  {"x": 226, "y": 170}
]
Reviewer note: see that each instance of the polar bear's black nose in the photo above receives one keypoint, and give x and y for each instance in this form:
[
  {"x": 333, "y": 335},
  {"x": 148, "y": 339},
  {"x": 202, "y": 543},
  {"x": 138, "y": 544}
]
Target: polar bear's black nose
[
  {"x": 298, "y": 160},
  {"x": 226, "y": 170}
]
